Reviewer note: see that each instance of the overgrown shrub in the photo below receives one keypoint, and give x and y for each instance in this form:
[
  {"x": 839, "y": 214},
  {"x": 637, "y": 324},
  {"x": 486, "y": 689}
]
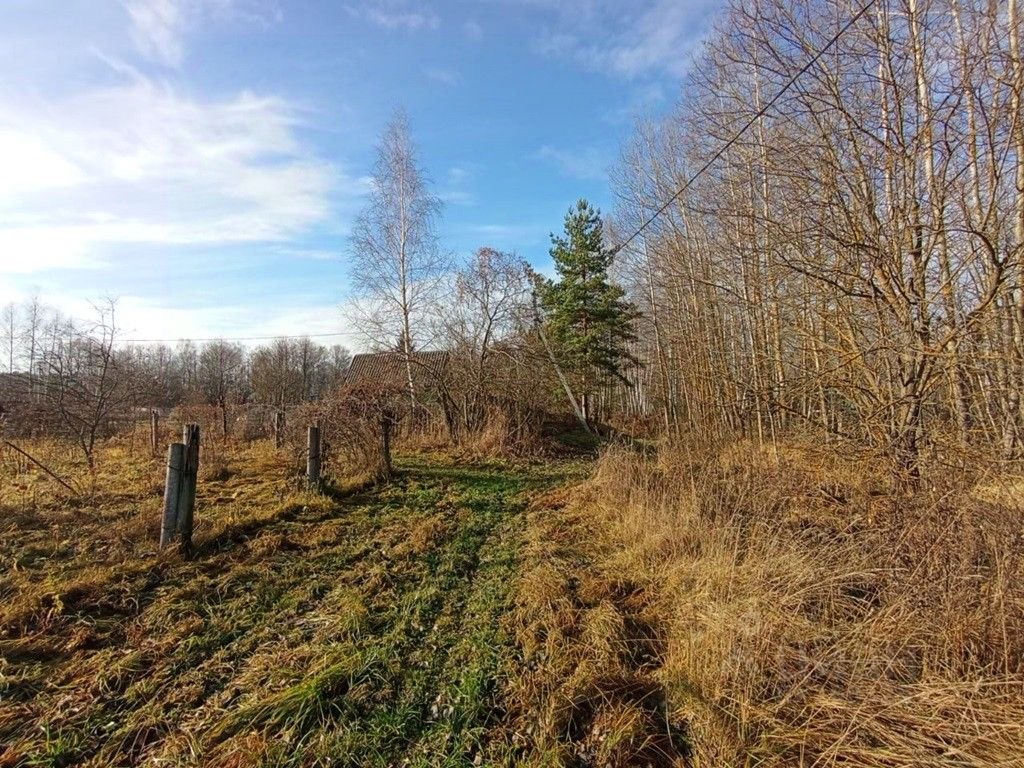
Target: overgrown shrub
[{"x": 356, "y": 425}]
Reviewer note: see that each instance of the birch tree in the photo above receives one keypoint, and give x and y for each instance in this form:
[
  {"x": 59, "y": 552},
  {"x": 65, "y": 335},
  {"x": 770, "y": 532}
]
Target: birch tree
[
  {"x": 852, "y": 265},
  {"x": 395, "y": 259}
]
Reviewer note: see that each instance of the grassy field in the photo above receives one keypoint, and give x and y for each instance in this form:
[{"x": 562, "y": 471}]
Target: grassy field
[
  {"x": 651, "y": 608},
  {"x": 367, "y": 627}
]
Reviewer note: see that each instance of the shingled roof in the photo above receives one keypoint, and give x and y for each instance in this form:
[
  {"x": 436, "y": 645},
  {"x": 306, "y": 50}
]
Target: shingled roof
[{"x": 389, "y": 368}]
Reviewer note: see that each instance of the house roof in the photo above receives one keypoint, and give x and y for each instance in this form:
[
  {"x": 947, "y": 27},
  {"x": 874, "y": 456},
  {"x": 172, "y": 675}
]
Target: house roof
[{"x": 389, "y": 368}]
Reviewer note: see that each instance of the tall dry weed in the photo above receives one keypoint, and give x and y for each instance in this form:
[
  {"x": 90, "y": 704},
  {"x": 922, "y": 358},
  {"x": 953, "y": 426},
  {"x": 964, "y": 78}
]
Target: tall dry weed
[{"x": 812, "y": 616}]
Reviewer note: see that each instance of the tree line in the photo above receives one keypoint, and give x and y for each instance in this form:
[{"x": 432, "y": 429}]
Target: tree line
[
  {"x": 852, "y": 265},
  {"x": 78, "y": 376},
  {"x": 39, "y": 341}
]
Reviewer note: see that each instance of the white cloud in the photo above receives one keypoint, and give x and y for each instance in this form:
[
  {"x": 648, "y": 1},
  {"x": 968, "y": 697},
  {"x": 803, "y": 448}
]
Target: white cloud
[
  {"x": 144, "y": 318},
  {"x": 509, "y": 235},
  {"x": 456, "y": 190},
  {"x": 143, "y": 180},
  {"x": 159, "y": 27},
  {"x": 662, "y": 37},
  {"x": 29, "y": 164},
  {"x": 445, "y": 77},
  {"x": 144, "y": 163},
  {"x": 642, "y": 100},
  {"x": 409, "y": 21},
  {"x": 141, "y": 318},
  {"x": 472, "y": 30},
  {"x": 312, "y": 254}
]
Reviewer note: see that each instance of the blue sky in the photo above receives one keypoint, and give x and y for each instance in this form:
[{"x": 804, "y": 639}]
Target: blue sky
[{"x": 201, "y": 160}]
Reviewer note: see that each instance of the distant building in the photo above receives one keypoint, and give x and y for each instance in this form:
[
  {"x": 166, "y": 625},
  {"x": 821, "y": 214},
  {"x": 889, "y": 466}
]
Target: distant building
[{"x": 388, "y": 369}]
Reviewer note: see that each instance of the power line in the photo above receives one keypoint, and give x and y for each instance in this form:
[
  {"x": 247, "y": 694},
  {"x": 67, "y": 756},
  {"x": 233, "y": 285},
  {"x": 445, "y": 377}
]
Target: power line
[
  {"x": 233, "y": 338},
  {"x": 760, "y": 113}
]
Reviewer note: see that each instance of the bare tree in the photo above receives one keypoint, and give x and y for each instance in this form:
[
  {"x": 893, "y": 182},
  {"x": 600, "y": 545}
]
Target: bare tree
[
  {"x": 292, "y": 371},
  {"x": 9, "y": 332},
  {"x": 338, "y": 361},
  {"x": 85, "y": 383},
  {"x": 396, "y": 261},
  {"x": 34, "y": 319},
  {"x": 222, "y": 380},
  {"x": 489, "y": 302},
  {"x": 187, "y": 367},
  {"x": 273, "y": 374}
]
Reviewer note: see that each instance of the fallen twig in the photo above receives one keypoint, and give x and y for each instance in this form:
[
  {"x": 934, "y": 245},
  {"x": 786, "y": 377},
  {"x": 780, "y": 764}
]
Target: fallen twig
[{"x": 42, "y": 466}]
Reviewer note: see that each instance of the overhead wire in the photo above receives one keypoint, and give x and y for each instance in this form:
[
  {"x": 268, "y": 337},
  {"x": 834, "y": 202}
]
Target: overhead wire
[
  {"x": 746, "y": 126},
  {"x": 272, "y": 337}
]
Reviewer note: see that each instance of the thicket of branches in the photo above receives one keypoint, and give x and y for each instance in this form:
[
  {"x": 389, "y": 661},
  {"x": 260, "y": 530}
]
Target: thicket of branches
[{"x": 853, "y": 264}]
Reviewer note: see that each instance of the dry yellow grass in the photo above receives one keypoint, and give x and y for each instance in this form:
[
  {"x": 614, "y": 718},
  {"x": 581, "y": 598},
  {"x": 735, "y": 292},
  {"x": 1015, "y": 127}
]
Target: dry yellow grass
[
  {"x": 356, "y": 627},
  {"x": 802, "y": 612},
  {"x": 586, "y": 691},
  {"x": 737, "y": 606}
]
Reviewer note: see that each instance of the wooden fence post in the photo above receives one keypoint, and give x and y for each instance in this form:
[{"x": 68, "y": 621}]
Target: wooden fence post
[
  {"x": 172, "y": 492},
  {"x": 386, "y": 423},
  {"x": 189, "y": 480},
  {"x": 154, "y": 431},
  {"x": 278, "y": 428},
  {"x": 313, "y": 457}
]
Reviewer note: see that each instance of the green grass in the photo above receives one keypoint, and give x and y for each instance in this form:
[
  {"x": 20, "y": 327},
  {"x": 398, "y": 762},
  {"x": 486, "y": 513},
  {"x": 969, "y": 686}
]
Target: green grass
[{"x": 345, "y": 630}]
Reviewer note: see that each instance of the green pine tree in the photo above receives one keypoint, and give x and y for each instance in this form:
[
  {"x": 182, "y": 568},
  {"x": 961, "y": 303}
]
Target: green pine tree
[{"x": 589, "y": 319}]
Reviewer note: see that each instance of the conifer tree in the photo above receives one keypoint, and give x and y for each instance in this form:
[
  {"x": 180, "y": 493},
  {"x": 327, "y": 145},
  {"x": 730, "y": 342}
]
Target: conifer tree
[{"x": 589, "y": 319}]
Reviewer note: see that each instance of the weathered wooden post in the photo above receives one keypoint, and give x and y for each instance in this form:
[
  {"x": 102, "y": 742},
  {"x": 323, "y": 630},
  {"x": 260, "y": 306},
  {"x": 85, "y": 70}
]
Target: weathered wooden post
[
  {"x": 154, "y": 431},
  {"x": 313, "y": 456},
  {"x": 172, "y": 492},
  {"x": 189, "y": 480},
  {"x": 386, "y": 423},
  {"x": 278, "y": 428}
]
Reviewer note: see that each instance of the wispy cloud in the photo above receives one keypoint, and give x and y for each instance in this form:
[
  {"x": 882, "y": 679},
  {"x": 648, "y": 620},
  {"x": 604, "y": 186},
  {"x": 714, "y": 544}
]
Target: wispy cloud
[
  {"x": 456, "y": 189},
  {"x": 578, "y": 163},
  {"x": 445, "y": 77},
  {"x": 472, "y": 30},
  {"x": 626, "y": 39},
  {"x": 395, "y": 15},
  {"x": 145, "y": 318},
  {"x": 314, "y": 254},
  {"x": 642, "y": 100},
  {"x": 159, "y": 27},
  {"x": 142, "y": 317},
  {"x": 501, "y": 235}
]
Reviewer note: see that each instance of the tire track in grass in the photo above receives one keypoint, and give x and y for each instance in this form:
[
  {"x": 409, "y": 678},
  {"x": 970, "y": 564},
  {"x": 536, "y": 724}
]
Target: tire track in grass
[
  {"x": 361, "y": 631},
  {"x": 442, "y": 702}
]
